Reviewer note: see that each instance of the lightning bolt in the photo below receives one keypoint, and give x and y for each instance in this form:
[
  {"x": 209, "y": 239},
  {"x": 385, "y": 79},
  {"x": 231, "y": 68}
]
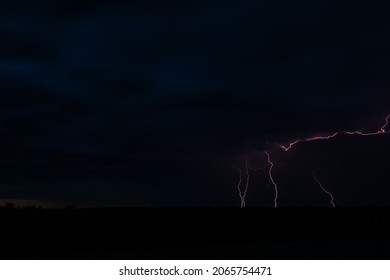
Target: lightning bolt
[
  {"x": 323, "y": 189},
  {"x": 271, "y": 165},
  {"x": 248, "y": 168},
  {"x": 382, "y": 130},
  {"x": 242, "y": 194},
  {"x": 239, "y": 182}
]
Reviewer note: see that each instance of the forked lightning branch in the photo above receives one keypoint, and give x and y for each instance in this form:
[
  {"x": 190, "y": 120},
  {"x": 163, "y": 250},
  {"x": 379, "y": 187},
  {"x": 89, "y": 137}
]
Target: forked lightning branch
[{"x": 243, "y": 183}]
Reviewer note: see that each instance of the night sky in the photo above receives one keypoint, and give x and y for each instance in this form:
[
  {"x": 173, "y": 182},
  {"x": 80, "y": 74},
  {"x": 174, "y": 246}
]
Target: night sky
[{"x": 145, "y": 103}]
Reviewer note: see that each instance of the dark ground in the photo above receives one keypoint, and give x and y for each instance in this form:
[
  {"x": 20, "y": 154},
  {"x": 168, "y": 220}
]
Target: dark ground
[{"x": 195, "y": 233}]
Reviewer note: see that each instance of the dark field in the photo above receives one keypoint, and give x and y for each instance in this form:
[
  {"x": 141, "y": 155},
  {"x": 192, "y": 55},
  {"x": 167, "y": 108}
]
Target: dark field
[{"x": 195, "y": 233}]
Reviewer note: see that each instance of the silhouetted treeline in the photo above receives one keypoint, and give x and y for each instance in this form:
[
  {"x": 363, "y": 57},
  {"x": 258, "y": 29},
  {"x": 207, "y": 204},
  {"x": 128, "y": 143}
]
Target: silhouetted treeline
[{"x": 13, "y": 206}]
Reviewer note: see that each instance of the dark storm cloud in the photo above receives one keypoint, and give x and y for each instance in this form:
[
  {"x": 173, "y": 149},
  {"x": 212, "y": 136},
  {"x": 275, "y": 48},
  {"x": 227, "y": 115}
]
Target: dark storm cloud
[{"x": 91, "y": 89}]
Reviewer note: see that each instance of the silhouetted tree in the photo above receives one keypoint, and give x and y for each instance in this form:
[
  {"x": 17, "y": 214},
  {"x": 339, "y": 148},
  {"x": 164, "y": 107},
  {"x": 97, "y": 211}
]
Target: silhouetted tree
[
  {"x": 9, "y": 205},
  {"x": 70, "y": 207}
]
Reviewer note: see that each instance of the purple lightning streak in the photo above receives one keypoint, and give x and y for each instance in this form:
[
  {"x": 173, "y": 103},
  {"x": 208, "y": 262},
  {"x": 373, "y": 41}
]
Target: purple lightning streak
[
  {"x": 239, "y": 182},
  {"x": 242, "y": 194},
  {"x": 271, "y": 165},
  {"x": 382, "y": 130},
  {"x": 323, "y": 189}
]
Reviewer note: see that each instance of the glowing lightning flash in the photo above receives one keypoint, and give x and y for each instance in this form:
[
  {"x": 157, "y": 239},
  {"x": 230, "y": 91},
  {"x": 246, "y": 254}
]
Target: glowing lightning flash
[
  {"x": 271, "y": 165},
  {"x": 382, "y": 130},
  {"x": 324, "y": 190},
  {"x": 242, "y": 194},
  {"x": 239, "y": 183}
]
